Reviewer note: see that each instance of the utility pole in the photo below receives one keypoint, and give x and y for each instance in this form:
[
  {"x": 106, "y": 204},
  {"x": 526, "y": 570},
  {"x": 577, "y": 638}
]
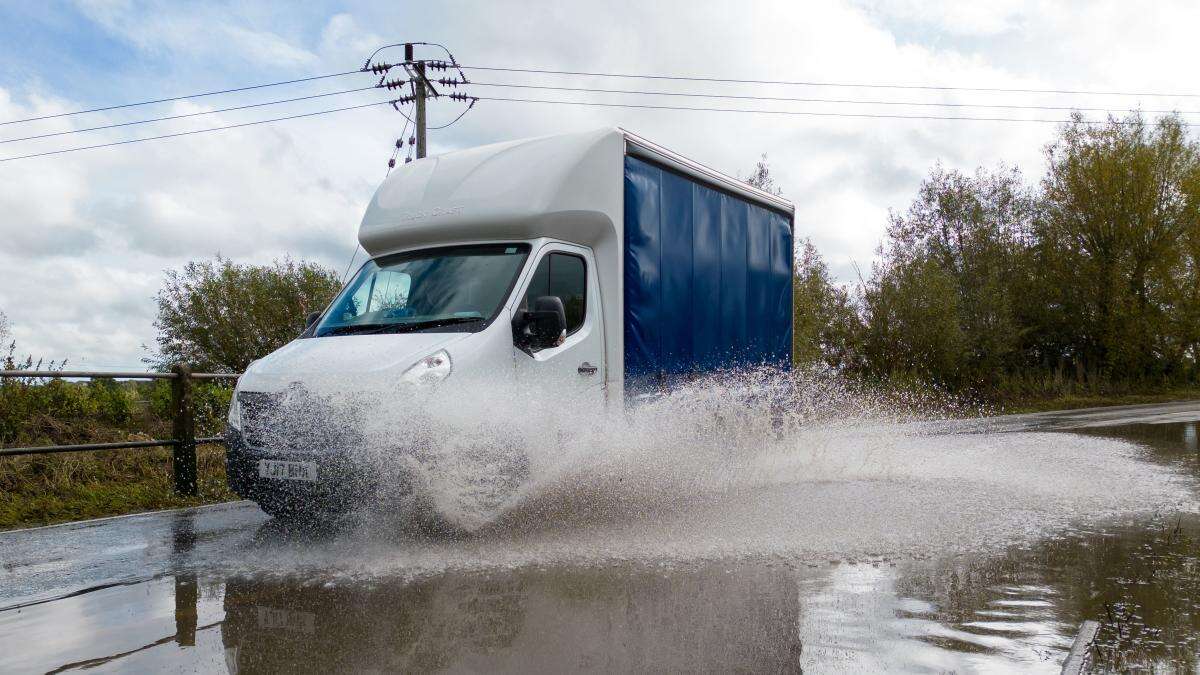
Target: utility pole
[
  {"x": 418, "y": 71},
  {"x": 421, "y": 89}
]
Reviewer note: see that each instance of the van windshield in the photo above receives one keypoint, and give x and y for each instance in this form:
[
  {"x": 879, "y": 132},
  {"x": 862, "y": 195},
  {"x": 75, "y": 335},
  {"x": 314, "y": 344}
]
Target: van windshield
[{"x": 458, "y": 288}]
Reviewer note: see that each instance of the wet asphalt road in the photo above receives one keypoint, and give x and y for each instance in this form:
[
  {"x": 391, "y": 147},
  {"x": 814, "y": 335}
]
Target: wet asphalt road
[{"x": 203, "y": 590}]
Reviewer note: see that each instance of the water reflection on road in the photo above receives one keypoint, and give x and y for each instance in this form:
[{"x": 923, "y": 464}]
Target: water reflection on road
[
  {"x": 1015, "y": 609},
  {"x": 540, "y": 620}
]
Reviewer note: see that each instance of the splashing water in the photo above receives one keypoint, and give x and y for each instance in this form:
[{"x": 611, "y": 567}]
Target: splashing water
[{"x": 756, "y": 463}]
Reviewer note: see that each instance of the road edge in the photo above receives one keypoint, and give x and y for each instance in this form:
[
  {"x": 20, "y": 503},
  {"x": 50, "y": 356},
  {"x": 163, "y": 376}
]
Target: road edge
[{"x": 91, "y": 521}]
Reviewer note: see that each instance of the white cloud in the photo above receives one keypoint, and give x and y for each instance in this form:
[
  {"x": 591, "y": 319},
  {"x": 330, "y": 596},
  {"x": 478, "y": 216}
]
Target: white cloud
[
  {"x": 84, "y": 237},
  {"x": 215, "y": 31},
  {"x": 344, "y": 35},
  {"x": 954, "y": 16}
]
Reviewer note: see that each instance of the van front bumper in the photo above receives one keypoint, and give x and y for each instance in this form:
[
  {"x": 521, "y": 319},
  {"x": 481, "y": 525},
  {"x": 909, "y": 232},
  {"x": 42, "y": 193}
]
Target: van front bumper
[{"x": 341, "y": 483}]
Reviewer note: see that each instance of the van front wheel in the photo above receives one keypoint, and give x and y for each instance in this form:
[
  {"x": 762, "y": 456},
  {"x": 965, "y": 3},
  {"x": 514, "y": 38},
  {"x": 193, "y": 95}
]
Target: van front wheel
[{"x": 294, "y": 511}]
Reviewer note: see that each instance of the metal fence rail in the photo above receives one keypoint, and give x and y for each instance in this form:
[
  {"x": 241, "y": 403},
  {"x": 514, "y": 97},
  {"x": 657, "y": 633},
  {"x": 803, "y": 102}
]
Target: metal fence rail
[{"x": 184, "y": 441}]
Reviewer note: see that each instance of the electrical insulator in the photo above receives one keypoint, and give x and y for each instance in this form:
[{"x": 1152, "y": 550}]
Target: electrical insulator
[
  {"x": 412, "y": 140},
  {"x": 380, "y": 68},
  {"x": 399, "y": 143},
  {"x": 407, "y": 160},
  {"x": 392, "y": 163}
]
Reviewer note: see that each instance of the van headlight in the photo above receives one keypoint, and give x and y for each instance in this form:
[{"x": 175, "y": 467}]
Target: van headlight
[{"x": 429, "y": 370}]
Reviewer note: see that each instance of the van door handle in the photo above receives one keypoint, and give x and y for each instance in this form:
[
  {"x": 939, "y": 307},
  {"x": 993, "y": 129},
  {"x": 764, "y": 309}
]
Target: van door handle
[{"x": 586, "y": 368}]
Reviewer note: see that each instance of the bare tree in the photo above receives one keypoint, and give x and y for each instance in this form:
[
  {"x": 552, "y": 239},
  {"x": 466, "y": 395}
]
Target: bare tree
[{"x": 762, "y": 179}]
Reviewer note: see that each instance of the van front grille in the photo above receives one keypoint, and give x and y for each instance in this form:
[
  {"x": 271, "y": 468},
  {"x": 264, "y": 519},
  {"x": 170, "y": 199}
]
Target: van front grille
[
  {"x": 295, "y": 421},
  {"x": 259, "y": 410}
]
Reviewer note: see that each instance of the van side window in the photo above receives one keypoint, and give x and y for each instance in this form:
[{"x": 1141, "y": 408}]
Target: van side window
[{"x": 565, "y": 276}]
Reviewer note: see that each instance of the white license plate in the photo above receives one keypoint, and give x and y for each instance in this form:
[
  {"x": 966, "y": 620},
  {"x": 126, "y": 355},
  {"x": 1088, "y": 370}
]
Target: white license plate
[{"x": 281, "y": 470}]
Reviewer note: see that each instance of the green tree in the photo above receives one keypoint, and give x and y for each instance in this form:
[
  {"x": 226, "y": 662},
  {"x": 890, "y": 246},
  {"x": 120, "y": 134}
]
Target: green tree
[
  {"x": 220, "y": 316},
  {"x": 942, "y": 302},
  {"x": 912, "y": 328},
  {"x": 1183, "y": 307},
  {"x": 825, "y": 323},
  {"x": 1118, "y": 242}
]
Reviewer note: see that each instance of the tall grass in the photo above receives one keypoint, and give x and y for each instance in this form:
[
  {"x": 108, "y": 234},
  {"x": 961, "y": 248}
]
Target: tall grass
[
  {"x": 1053, "y": 390},
  {"x": 46, "y": 488}
]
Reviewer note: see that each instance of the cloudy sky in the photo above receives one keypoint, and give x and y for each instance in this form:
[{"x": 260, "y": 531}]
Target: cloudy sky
[{"x": 85, "y": 237}]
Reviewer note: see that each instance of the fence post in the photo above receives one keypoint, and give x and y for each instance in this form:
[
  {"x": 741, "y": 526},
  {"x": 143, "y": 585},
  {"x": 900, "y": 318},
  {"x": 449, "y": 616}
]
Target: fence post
[{"x": 183, "y": 460}]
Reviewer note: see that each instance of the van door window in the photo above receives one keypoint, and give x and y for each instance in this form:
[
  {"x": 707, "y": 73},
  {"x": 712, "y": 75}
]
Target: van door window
[{"x": 563, "y": 275}]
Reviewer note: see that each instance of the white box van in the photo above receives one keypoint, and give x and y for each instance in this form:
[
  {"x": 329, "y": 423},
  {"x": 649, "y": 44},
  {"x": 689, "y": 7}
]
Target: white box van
[{"x": 598, "y": 261}]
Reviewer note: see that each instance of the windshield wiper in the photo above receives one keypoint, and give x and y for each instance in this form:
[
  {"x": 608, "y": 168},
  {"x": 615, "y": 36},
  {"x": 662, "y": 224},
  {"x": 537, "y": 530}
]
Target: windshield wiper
[
  {"x": 404, "y": 327},
  {"x": 358, "y": 329},
  {"x": 433, "y": 323}
]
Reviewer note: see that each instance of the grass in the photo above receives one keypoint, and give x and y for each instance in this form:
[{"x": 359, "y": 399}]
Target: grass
[
  {"x": 1076, "y": 401},
  {"x": 46, "y": 489},
  {"x": 54, "y": 488}
]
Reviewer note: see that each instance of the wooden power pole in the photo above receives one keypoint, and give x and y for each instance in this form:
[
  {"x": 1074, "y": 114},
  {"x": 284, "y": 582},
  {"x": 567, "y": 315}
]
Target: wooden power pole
[{"x": 421, "y": 90}]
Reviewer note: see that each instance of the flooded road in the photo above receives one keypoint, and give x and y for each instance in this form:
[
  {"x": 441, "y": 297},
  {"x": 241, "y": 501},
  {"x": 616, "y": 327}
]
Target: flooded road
[{"x": 974, "y": 561}]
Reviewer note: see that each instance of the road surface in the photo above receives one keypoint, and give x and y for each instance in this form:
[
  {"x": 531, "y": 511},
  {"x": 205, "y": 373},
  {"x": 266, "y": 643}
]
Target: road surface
[{"x": 225, "y": 589}]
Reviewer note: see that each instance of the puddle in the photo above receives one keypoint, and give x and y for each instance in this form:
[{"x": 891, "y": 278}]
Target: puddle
[{"x": 900, "y": 549}]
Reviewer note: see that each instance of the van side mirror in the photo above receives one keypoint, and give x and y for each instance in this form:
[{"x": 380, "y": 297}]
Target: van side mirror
[
  {"x": 311, "y": 319},
  {"x": 543, "y": 326}
]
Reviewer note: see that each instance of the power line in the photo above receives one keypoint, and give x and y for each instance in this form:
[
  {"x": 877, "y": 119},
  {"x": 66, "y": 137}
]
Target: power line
[
  {"x": 638, "y": 92},
  {"x": 460, "y": 115},
  {"x": 576, "y": 103},
  {"x": 508, "y": 85},
  {"x": 189, "y": 133},
  {"x": 470, "y": 105},
  {"x": 186, "y": 115},
  {"x": 180, "y": 98},
  {"x": 806, "y": 113},
  {"x": 589, "y": 90},
  {"x": 813, "y": 83}
]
